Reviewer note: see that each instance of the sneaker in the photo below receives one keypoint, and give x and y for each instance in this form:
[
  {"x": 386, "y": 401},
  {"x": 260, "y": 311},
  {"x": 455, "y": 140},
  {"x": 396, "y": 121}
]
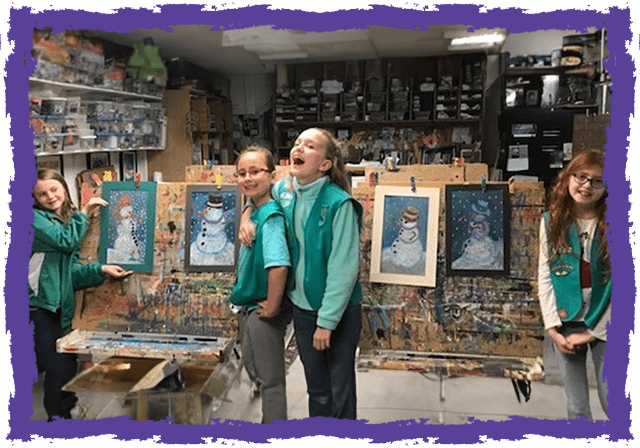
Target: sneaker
[{"x": 78, "y": 412}]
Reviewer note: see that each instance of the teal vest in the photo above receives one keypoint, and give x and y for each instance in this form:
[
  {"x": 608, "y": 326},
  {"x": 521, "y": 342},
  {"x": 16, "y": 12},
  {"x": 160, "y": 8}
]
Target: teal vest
[
  {"x": 565, "y": 278},
  {"x": 252, "y": 285},
  {"x": 317, "y": 240}
]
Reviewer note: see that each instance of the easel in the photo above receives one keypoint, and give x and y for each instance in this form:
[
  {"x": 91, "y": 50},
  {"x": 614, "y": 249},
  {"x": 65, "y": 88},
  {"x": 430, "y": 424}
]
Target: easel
[{"x": 428, "y": 354}]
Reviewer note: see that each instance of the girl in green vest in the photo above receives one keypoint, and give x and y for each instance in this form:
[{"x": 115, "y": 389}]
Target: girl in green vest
[
  {"x": 54, "y": 273},
  {"x": 323, "y": 226},
  {"x": 574, "y": 279},
  {"x": 261, "y": 283}
]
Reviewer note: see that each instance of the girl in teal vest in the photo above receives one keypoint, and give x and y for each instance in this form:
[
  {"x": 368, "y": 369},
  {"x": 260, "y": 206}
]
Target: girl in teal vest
[
  {"x": 323, "y": 225},
  {"x": 261, "y": 283},
  {"x": 54, "y": 273},
  {"x": 574, "y": 279}
]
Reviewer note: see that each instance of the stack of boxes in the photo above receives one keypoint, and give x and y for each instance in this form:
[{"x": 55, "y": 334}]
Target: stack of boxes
[
  {"x": 285, "y": 104},
  {"x": 69, "y": 123},
  {"x": 447, "y": 99},
  {"x": 423, "y": 96},
  {"x": 399, "y": 99},
  {"x": 376, "y": 100},
  {"x": 352, "y": 101},
  {"x": 331, "y": 91},
  {"x": 307, "y": 104},
  {"x": 471, "y": 95},
  {"x": 67, "y": 57}
]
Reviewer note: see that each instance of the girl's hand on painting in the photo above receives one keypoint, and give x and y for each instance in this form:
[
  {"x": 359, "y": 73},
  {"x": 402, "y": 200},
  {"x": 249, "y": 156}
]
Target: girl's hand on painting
[
  {"x": 581, "y": 338},
  {"x": 322, "y": 339},
  {"x": 267, "y": 310},
  {"x": 562, "y": 343},
  {"x": 115, "y": 271},
  {"x": 92, "y": 204}
]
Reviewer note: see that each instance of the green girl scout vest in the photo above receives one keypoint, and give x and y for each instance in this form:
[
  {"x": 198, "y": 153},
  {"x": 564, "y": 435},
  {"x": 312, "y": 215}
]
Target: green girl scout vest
[
  {"x": 565, "y": 278},
  {"x": 252, "y": 285},
  {"x": 317, "y": 240}
]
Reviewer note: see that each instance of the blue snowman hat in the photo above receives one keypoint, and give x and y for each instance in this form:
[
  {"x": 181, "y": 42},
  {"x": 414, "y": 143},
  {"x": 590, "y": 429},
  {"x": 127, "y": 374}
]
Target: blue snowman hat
[{"x": 481, "y": 207}]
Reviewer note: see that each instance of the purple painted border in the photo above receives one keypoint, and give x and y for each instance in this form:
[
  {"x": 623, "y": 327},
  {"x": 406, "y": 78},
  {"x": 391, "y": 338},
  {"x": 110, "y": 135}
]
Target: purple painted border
[{"x": 19, "y": 66}]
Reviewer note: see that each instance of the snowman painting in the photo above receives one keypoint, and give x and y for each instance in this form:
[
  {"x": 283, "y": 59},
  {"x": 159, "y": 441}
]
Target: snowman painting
[
  {"x": 407, "y": 254},
  {"x": 479, "y": 250},
  {"x": 126, "y": 247},
  {"x": 212, "y": 245}
]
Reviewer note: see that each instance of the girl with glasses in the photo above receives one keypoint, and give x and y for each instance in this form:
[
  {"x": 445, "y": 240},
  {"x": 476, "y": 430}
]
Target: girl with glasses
[
  {"x": 261, "y": 283},
  {"x": 323, "y": 224},
  {"x": 574, "y": 277}
]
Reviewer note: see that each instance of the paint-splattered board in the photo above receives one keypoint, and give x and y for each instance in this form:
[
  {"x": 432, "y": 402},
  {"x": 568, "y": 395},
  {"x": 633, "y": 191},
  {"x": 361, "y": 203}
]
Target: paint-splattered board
[
  {"x": 461, "y": 315},
  {"x": 144, "y": 345},
  {"x": 167, "y": 301}
]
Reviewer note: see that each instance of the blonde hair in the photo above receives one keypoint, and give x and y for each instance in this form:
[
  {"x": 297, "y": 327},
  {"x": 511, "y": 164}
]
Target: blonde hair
[
  {"x": 337, "y": 173},
  {"x": 67, "y": 209},
  {"x": 268, "y": 156},
  {"x": 562, "y": 208}
]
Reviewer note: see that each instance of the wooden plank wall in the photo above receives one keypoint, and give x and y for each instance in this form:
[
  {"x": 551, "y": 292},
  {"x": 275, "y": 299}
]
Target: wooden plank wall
[{"x": 476, "y": 315}]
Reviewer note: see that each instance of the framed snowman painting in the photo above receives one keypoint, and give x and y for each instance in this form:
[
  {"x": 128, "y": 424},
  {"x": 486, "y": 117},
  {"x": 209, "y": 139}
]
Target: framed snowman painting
[
  {"x": 127, "y": 225},
  {"x": 477, "y": 235},
  {"x": 212, "y": 219},
  {"x": 404, "y": 239}
]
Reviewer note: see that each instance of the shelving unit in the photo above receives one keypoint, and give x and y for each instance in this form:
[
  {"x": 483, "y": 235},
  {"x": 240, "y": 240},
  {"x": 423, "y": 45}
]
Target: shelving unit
[
  {"x": 541, "y": 107},
  {"x": 79, "y": 89},
  {"x": 418, "y": 93},
  {"x": 549, "y": 87},
  {"x": 200, "y": 128},
  {"x": 82, "y": 119}
]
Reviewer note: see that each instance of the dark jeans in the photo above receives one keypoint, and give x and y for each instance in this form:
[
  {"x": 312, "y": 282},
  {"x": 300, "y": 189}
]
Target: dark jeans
[
  {"x": 330, "y": 374},
  {"x": 59, "y": 368}
]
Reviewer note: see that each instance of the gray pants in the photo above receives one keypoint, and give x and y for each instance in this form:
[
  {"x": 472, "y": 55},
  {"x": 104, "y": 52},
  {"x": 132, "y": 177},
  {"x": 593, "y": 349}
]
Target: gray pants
[
  {"x": 573, "y": 369},
  {"x": 262, "y": 343}
]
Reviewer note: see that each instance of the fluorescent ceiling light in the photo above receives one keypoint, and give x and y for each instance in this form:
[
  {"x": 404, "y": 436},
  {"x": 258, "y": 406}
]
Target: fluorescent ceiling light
[
  {"x": 282, "y": 56},
  {"x": 481, "y": 39}
]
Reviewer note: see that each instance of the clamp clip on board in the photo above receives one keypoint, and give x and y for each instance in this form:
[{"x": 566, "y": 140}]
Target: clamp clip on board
[
  {"x": 512, "y": 181},
  {"x": 483, "y": 183},
  {"x": 413, "y": 184},
  {"x": 138, "y": 179},
  {"x": 373, "y": 179},
  {"x": 218, "y": 181}
]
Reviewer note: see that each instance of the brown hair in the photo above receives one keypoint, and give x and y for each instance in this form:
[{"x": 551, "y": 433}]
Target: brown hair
[
  {"x": 67, "y": 209},
  {"x": 337, "y": 174},
  {"x": 268, "y": 156},
  {"x": 562, "y": 208}
]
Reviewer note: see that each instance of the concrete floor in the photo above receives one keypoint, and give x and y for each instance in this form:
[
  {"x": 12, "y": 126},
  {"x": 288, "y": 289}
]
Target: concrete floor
[{"x": 490, "y": 399}]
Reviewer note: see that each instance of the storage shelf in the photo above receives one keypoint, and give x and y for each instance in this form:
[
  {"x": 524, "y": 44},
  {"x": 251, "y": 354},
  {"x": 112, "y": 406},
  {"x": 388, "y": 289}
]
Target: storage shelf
[
  {"x": 80, "y": 89},
  {"x": 93, "y": 151},
  {"x": 385, "y": 123},
  {"x": 541, "y": 71}
]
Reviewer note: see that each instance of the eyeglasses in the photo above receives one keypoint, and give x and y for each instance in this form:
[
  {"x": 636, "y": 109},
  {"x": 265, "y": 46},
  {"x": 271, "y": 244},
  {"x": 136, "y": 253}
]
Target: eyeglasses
[
  {"x": 596, "y": 182},
  {"x": 251, "y": 173}
]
